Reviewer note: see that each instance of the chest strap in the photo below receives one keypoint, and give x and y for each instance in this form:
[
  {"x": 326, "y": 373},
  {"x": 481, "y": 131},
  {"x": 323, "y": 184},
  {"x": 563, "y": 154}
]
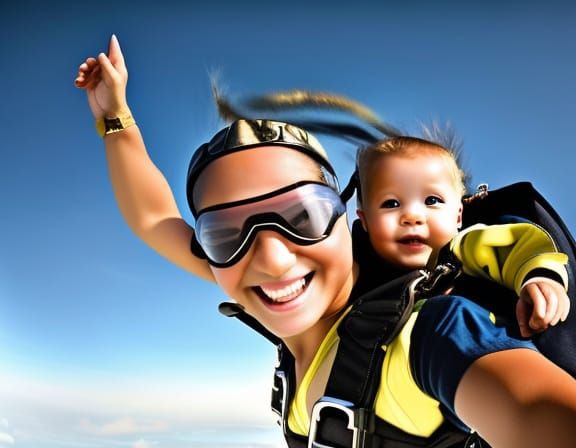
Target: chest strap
[{"x": 344, "y": 417}]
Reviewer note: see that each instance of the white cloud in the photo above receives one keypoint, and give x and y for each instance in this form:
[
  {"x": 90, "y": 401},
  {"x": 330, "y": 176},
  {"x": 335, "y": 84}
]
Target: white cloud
[
  {"x": 122, "y": 426},
  {"x": 244, "y": 401},
  {"x": 143, "y": 444},
  {"x": 6, "y": 439},
  {"x": 125, "y": 413}
]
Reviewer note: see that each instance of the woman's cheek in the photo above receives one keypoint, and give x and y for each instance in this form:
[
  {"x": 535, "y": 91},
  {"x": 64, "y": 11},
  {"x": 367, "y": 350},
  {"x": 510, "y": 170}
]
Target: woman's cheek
[{"x": 229, "y": 280}]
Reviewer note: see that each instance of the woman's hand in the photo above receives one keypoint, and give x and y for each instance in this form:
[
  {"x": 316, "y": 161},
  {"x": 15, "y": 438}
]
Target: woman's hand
[{"x": 104, "y": 80}]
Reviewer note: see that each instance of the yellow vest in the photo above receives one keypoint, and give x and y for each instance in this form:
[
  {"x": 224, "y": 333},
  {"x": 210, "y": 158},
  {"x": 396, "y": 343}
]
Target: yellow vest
[{"x": 399, "y": 401}]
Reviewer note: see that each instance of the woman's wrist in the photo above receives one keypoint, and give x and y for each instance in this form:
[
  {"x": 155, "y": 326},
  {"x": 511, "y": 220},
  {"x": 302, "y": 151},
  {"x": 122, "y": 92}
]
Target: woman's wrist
[{"x": 112, "y": 123}]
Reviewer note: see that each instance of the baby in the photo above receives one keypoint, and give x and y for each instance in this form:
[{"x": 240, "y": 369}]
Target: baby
[{"x": 409, "y": 203}]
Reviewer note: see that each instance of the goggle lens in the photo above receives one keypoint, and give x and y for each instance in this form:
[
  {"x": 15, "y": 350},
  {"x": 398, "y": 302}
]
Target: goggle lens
[{"x": 304, "y": 213}]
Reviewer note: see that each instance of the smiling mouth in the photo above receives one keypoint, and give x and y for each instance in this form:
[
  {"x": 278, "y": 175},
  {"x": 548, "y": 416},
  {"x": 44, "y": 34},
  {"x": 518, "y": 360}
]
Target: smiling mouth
[
  {"x": 411, "y": 241},
  {"x": 286, "y": 293}
]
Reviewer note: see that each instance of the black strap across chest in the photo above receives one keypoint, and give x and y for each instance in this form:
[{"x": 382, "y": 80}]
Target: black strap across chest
[{"x": 344, "y": 417}]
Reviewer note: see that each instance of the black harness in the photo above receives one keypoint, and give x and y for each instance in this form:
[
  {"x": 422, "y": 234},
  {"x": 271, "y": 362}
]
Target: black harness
[{"x": 344, "y": 417}]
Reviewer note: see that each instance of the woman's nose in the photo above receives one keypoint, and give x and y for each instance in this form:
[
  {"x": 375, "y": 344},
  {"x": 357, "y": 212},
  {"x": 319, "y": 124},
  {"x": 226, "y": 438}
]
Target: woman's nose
[{"x": 272, "y": 254}]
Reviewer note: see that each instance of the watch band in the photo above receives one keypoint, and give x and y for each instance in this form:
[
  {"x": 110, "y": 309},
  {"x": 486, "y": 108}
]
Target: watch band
[{"x": 105, "y": 126}]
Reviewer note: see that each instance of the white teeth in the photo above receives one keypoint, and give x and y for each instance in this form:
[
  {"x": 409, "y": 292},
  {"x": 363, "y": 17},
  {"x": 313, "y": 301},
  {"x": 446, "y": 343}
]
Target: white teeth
[{"x": 279, "y": 295}]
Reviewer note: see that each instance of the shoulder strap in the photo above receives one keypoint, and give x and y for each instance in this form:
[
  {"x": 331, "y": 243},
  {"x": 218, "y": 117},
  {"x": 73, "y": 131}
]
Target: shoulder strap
[
  {"x": 375, "y": 319},
  {"x": 344, "y": 416}
]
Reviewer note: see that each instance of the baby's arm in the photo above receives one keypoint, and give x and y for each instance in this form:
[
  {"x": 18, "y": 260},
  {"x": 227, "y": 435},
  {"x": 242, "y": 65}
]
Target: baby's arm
[
  {"x": 143, "y": 194},
  {"x": 515, "y": 255},
  {"x": 542, "y": 302}
]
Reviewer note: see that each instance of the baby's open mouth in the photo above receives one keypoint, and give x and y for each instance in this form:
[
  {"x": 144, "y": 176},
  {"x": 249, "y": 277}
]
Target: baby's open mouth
[{"x": 411, "y": 240}]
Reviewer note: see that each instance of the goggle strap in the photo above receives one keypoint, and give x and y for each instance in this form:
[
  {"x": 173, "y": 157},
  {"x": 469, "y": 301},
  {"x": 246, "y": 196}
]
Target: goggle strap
[
  {"x": 353, "y": 185},
  {"x": 262, "y": 197},
  {"x": 196, "y": 249}
]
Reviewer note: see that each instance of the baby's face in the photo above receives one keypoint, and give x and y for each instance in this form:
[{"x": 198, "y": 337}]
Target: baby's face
[{"x": 411, "y": 207}]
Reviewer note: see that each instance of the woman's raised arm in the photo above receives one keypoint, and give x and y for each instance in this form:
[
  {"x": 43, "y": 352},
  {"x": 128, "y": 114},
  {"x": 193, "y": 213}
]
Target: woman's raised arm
[{"x": 143, "y": 194}]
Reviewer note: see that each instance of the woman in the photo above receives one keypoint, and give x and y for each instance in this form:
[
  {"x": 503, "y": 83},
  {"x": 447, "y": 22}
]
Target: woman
[{"x": 293, "y": 271}]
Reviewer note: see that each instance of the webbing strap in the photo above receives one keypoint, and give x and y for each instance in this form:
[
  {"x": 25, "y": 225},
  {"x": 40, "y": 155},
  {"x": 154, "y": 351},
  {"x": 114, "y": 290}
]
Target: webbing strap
[
  {"x": 344, "y": 417},
  {"x": 349, "y": 421},
  {"x": 335, "y": 435},
  {"x": 375, "y": 319},
  {"x": 232, "y": 309}
]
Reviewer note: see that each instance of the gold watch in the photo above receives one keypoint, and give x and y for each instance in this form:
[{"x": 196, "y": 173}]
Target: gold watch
[{"x": 105, "y": 126}]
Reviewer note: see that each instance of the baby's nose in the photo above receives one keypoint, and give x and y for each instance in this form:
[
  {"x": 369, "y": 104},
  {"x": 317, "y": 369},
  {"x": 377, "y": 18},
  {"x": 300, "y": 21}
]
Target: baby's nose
[{"x": 413, "y": 216}]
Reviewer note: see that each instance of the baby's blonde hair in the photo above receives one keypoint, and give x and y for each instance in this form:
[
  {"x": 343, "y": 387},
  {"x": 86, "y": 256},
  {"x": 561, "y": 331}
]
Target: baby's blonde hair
[{"x": 409, "y": 147}]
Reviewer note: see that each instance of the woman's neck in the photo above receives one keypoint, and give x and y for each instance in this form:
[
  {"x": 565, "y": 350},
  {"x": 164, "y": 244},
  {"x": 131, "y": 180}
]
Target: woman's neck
[{"x": 304, "y": 346}]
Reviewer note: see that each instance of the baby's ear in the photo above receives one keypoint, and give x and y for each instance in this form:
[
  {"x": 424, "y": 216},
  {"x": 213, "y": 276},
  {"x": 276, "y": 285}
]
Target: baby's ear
[{"x": 362, "y": 217}]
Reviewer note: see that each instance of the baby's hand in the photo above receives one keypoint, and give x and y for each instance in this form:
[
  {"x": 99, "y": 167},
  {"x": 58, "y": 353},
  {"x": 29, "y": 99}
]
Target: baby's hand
[
  {"x": 542, "y": 302},
  {"x": 104, "y": 80}
]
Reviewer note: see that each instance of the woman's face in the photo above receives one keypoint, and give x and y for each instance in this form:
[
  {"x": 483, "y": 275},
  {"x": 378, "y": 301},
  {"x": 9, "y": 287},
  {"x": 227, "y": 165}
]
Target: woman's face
[{"x": 287, "y": 287}]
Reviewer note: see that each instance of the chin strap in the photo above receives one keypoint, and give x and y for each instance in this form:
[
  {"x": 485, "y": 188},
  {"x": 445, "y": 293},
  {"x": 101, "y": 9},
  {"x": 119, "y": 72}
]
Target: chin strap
[{"x": 232, "y": 309}]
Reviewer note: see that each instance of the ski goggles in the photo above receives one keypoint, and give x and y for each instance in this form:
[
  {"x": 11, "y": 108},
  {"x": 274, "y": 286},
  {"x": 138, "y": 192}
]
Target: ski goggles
[
  {"x": 247, "y": 134},
  {"x": 304, "y": 213}
]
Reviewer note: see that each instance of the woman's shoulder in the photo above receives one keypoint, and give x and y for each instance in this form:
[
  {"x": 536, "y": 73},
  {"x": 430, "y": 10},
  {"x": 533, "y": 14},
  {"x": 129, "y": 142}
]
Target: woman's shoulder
[{"x": 449, "y": 334}]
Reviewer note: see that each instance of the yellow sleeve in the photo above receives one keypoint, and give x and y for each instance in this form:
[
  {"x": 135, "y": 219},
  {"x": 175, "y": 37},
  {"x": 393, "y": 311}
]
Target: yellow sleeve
[{"x": 507, "y": 253}]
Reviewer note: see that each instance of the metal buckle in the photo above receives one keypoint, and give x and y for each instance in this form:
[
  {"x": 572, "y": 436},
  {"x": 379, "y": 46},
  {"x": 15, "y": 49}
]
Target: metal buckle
[
  {"x": 357, "y": 421},
  {"x": 481, "y": 192},
  {"x": 413, "y": 289},
  {"x": 434, "y": 282},
  {"x": 280, "y": 387},
  {"x": 473, "y": 441}
]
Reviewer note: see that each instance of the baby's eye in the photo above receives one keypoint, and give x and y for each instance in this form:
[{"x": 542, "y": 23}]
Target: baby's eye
[
  {"x": 390, "y": 203},
  {"x": 433, "y": 200}
]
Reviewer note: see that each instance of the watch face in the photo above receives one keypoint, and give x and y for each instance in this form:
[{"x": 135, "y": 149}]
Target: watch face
[{"x": 113, "y": 124}]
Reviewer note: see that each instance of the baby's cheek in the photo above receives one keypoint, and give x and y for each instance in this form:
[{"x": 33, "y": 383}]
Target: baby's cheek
[{"x": 444, "y": 236}]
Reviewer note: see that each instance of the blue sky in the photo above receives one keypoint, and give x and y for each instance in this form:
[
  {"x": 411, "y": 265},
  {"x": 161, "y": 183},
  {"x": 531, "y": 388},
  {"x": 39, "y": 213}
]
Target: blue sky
[{"x": 105, "y": 344}]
